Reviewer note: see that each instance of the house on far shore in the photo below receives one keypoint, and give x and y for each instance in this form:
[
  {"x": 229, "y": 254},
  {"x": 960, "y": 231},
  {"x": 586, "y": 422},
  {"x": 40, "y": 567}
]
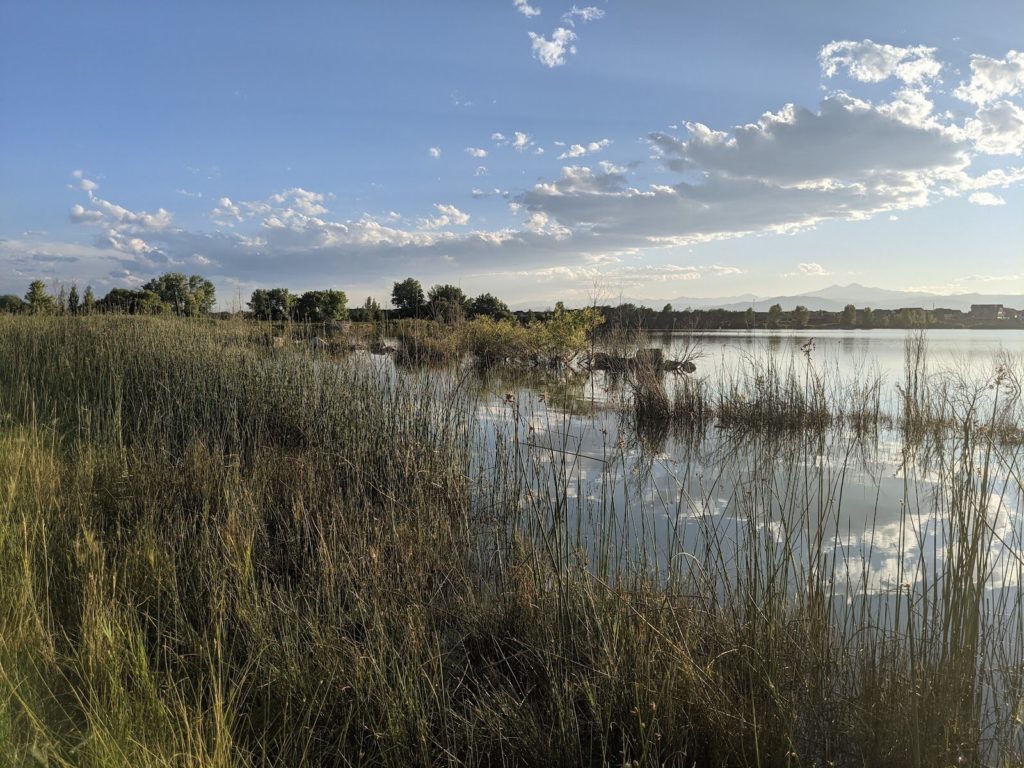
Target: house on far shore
[
  {"x": 987, "y": 312},
  {"x": 943, "y": 315}
]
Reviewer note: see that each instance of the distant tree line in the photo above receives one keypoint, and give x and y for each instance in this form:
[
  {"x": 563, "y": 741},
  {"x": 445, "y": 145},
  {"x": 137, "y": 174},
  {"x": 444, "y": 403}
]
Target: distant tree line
[
  {"x": 170, "y": 293},
  {"x": 800, "y": 317},
  {"x": 192, "y": 295}
]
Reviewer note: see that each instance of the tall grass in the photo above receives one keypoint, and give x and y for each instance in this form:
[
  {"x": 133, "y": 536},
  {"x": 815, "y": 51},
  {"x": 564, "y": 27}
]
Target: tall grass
[{"x": 215, "y": 553}]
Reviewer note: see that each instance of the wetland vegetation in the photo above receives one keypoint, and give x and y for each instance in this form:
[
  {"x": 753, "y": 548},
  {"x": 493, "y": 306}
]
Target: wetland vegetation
[{"x": 218, "y": 550}]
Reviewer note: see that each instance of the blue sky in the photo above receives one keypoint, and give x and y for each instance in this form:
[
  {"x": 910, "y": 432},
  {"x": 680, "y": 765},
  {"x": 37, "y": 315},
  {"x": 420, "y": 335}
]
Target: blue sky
[{"x": 538, "y": 150}]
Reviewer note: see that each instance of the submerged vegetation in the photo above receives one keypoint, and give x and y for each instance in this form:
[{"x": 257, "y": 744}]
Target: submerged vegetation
[{"x": 216, "y": 551}]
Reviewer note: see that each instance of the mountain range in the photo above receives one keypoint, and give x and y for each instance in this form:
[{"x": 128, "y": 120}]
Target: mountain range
[{"x": 835, "y": 297}]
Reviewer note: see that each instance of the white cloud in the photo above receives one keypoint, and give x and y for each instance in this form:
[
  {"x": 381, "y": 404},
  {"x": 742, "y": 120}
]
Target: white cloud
[
  {"x": 811, "y": 269},
  {"x": 187, "y": 193},
  {"x": 476, "y": 152},
  {"x": 525, "y": 8},
  {"x": 552, "y": 53},
  {"x": 305, "y": 202},
  {"x": 579, "y": 150},
  {"x": 585, "y": 14},
  {"x": 80, "y": 215},
  {"x": 846, "y": 138},
  {"x": 871, "y": 62},
  {"x": 985, "y": 198},
  {"x": 993, "y": 79},
  {"x": 521, "y": 141},
  {"x": 434, "y": 151},
  {"x": 997, "y": 129},
  {"x": 226, "y": 212},
  {"x": 448, "y": 215}
]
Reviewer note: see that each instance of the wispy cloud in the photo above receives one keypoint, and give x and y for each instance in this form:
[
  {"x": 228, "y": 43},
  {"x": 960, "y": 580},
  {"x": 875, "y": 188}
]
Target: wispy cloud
[{"x": 525, "y": 8}]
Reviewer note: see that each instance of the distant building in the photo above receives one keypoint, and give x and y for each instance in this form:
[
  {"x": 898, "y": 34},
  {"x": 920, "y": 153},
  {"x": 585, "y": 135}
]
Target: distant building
[
  {"x": 943, "y": 315},
  {"x": 987, "y": 311}
]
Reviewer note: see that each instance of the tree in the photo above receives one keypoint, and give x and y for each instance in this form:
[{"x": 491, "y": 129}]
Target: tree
[
  {"x": 88, "y": 300},
  {"x": 801, "y": 316},
  {"x": 868, "y": 317},
  {"x": 488, "y": 305},
  {"x": 38, "y": 300},
  {"x": 667, "y": 309},
  {"x": 11, "y": 304},
  {"x": 141, "y": 302},
  {"x": 62, "y": 300},
  {"x": 371, "y": 310},
  {"x": 447, "y": 303},
  {"x": 321, "y": 306},
  {"x": 192, "y": 295},
  {"x": 774, "y": 315},
  {"x": 849, "y": 317},
  {"x": 272, "y": 304},
  {"x": 407, "y": 297},
  {"x": 748, "y": 317},
  {"x": 73, "y": 305}
]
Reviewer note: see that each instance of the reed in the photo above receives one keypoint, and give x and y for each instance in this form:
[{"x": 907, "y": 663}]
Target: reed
[{"x": 219, "y": 553}]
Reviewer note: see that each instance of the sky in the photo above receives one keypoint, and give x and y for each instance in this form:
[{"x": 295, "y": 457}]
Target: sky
[{"x": 538, "y": 150}]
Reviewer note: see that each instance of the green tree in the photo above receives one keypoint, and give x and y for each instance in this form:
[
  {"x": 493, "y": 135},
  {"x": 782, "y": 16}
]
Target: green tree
[
  {"x": 447, "y": 303},
  {"x": 272, "y": 303},
  {"x": 321, "y": 306},
  {"x": 868, "y": 317},
  {"x": 73, "y": 303},
  {"x": 667, "y": 309},
  {"x": 488, "y": 305},
  {"x": 748, "y": 317},
  {"x": 371, "y": 310},
  {"x": 407, "y": 297},
  {"x": 88, "y": 300},
  {"x": 11, "y": 304},
  {"x": 38, "y": 300},
  {"x": 774, "y": 315},
  {"x": 192, "y": 295},
  {"x": 141, "y": 302},
  {"x": 801, "y": 316},
  {"x": 849, "y": 317}
]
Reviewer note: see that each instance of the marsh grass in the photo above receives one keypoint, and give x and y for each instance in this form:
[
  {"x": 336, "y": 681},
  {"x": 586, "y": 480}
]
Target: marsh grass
[{"x": 214, "y": 553}]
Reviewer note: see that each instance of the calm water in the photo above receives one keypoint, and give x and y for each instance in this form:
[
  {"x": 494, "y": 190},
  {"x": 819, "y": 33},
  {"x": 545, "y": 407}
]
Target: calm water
[
  {"x": 850, "y": 351},
  {"x": 876, "y": 507}
]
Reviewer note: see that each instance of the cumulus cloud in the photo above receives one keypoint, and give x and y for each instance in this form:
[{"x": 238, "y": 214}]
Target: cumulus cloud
[
  {"x": 993, "y": 79},
  {"x": 579, "y": 150},
  {"x": 524, "y": 7},
  {"x": 997, "y": 129},
  {"x": 845, "y": 138},
  {"x": 985, "y": 198},
  {"x": 448, "y": 215},
  {"x": 787, "y": 170},
  {"x": 553, "y": 52},
  {"x": 520, "y": 141},
  {"x": 871, "y": 62},
  {"x": 434, "y": 151},
  {"x": 226, "y": 212}
]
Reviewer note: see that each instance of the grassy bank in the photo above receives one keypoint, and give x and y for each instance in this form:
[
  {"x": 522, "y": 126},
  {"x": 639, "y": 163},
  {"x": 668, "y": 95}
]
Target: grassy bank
[{"x": 218, "y": 553}]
